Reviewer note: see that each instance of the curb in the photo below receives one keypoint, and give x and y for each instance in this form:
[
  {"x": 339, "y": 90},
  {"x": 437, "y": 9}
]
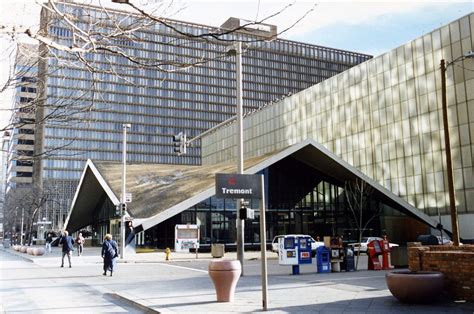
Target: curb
[
  {"x": 21, "y": 255},
  {"x": 133, "y": 303}
]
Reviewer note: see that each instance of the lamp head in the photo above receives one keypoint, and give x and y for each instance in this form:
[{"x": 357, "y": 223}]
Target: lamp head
[
  {"x": 231, "y": 52},
  {"x": 469, "y": 54}
]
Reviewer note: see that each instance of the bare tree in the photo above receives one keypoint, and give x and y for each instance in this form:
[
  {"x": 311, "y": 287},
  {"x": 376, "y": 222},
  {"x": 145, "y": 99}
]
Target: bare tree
[
  {"x": 358, "y": 194},
  {"x": 22, "y": 206}
]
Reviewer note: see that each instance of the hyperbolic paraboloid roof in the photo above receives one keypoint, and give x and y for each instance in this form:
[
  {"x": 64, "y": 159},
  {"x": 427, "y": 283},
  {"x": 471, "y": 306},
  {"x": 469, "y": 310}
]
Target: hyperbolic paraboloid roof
[{"x": 162, "y": 191}]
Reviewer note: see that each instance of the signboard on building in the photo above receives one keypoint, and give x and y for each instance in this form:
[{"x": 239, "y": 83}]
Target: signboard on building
[{"x": 238, "y": 186}]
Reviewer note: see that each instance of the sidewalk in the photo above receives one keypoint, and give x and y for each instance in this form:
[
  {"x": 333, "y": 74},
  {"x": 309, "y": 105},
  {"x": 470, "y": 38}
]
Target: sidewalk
[
  {"x": 150, "y": 284},
  {"x": 92, "y": 255}
]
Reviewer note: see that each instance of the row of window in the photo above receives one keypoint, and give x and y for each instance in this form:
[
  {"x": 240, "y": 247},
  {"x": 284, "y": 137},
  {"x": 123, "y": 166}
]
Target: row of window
[
  {"x": 164, "y": 147},
  {"x": 137, "y": 134}
]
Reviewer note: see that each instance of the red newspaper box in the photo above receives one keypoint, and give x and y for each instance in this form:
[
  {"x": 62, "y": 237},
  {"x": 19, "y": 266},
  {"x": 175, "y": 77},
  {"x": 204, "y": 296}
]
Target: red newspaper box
[
  {"x": 385, "y": 252},
  {"x": 374, "y": 249}
]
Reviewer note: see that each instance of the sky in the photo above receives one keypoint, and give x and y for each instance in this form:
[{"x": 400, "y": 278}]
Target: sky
[{"x": 371, "y": 27}]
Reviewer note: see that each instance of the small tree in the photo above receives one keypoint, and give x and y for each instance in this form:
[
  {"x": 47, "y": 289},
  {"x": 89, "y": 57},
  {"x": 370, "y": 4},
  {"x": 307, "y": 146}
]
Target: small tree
[{"x": 358, "y": 194}]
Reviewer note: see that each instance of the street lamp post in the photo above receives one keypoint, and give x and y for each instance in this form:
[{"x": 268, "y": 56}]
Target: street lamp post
[
  {"x": 124, "y": 189},
  {"x": 237, "y": 51},
  {"x": 21, "y": 227},
  {"x": 449, "y": 166}
]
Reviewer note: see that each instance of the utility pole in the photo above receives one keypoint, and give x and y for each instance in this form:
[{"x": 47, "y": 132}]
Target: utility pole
[
  {"x": 21, "y": 228},
  {"x": 123, "y": 206},
  {"x": 240, "y": 150}
]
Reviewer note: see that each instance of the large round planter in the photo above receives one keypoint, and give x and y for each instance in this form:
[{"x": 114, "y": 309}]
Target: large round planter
[
  {"x": 16, "y": 247},
  {"x": 415, "y": 287},
  {"x": 38, "y": 251},
  {"x": 29, "y": 250},
  {"x": 224, "y": 275},
  {"x": 23, "y": 249}
]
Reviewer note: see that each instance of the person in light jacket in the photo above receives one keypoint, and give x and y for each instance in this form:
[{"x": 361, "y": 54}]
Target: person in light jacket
[
  {"x": 80, "y": 244},
  {"x": 109, "y": 253}
]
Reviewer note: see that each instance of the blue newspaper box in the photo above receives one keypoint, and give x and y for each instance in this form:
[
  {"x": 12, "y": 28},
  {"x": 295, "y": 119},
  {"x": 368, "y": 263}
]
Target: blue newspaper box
[
  {"x": 323, "y": 259},
  {"x": 304, "y": 250}
]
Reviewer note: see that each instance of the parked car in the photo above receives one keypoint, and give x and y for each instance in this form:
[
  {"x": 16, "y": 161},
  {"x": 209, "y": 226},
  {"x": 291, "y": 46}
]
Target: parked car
[
  {"x": 362, "y": 247},
  {"x": 444, "y": 241},
  {"x": 314, "y": 244}
]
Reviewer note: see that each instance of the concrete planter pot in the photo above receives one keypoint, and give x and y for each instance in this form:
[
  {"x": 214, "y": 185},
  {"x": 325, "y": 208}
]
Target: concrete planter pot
[
  {"x": 29, "y": 250},
  {"x": 16, "y": 247},
  {"x": 38, "y": 251},
  {"x": 415, "y": 287},
  {"x": 23, "y": 249},
  {"x": 224, "y": 275}
]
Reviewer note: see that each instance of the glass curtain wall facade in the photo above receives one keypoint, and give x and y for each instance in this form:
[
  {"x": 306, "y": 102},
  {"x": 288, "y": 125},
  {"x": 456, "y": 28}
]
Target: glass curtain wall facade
[
  {"x": 384, "y": 117},
  {"x": 87, "y": 108}
]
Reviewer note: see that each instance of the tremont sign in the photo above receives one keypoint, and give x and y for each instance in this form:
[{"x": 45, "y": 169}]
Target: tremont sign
[{"x": 238, "y": 186}]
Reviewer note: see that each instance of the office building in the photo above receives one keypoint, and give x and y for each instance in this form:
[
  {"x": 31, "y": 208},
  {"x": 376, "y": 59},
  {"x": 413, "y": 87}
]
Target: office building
[
  {"x": 89, "y": 105},
  {"x": 19, "y": 172}
]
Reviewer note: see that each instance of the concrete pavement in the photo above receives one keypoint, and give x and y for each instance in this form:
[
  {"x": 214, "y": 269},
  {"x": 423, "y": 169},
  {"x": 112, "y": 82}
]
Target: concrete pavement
[{"x": 146, "y": 282}]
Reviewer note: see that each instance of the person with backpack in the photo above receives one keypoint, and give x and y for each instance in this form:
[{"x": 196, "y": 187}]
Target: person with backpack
[{"x": 109, "y": 253}]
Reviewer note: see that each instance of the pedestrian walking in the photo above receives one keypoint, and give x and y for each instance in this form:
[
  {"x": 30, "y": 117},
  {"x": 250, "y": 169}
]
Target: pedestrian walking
[
  {"x": 109, "y": 253},
  {"x": 49, "y": 240},
  {"x": 68, "y": 246},
  {"x": 80, "y": 244}
]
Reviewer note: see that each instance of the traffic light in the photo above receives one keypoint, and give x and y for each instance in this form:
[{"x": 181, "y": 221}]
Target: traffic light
[
  {"x": 179, "y": 142},
  {"x": 120, "y": 209},
  {"x": 245, "y": 212}
]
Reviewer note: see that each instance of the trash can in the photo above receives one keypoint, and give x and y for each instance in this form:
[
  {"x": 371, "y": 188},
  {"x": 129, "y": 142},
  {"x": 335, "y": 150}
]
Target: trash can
[
  {"x": 323, "y": 260},
  {"x": 399, "y": 256},
  {"x": 217, "y": 250},
  {"x": 427, "y": 239},
  {"x": 348, "y": 263},
  {"x": 6, "y": 243}
]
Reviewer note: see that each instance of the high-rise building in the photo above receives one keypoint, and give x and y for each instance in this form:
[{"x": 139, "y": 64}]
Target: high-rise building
[
  {"x": 19, "y": 172},
  {"x": 87, "y": 105}
]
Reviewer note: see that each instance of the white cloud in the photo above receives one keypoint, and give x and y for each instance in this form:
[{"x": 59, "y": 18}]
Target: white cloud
[{"x": 326, "y": 13}]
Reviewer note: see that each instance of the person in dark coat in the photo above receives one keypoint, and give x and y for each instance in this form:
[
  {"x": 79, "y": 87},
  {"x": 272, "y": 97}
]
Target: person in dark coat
[
  {"x": 49, "y": 239},
  {"x": 67, "y": 242},
  {"x": 109, "y": 253}
]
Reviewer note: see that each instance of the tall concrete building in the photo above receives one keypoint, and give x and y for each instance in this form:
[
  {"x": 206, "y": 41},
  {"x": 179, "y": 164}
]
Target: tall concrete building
[
  {"x": 87, "y": 106},
  {"x": 19, "y": 172}
]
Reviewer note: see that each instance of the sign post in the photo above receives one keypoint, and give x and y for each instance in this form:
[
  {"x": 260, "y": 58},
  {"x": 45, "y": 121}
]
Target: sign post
[
  {"x": 263, "y": 245},
  {"x": 247, "y": 186}
]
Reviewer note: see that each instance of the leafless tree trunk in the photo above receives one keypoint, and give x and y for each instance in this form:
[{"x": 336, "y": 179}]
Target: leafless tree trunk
[
  {"x": 29, "y": 200},
  {"x": 358, "y": 194}
]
